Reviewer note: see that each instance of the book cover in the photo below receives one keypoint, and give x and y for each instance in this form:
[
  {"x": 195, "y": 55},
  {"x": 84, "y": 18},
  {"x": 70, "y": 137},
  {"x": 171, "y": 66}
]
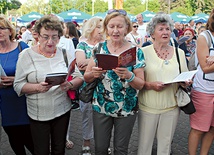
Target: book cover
[
  {"x": 55, "y": 78},
  {"x": 184, "y": 76},
  {"x": 111, "y": 61},
  {"x": 71, "y": 68}
]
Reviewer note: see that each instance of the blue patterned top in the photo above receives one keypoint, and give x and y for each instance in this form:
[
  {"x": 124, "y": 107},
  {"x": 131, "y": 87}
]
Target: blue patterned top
[{"x": 115, "y": 97}]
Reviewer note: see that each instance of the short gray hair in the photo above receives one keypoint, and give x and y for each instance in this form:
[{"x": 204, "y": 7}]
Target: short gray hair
[{"x": 157, "y": 19}]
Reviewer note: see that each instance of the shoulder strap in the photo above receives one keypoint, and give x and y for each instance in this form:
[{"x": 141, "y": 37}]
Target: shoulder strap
[
  {"x": 20, "y": 47},
  {"x": 178, "y": 59},
  {"x": 65, "y": 56}
]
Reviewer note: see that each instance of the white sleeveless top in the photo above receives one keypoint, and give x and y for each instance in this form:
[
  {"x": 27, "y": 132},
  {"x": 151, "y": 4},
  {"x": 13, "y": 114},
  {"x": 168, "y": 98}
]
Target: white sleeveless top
[{"x": 204, "y": 82}]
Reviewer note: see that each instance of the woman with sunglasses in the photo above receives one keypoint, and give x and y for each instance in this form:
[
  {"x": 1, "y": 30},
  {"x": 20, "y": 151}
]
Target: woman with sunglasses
[
  {"x": 47, "y": 105},
  {"x": 115, "y": 98},
  {"x": 134, "y": 37}
]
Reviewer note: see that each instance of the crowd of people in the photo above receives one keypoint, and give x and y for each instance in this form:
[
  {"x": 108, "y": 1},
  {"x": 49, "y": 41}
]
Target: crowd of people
[{"x": 36, "y": 114}]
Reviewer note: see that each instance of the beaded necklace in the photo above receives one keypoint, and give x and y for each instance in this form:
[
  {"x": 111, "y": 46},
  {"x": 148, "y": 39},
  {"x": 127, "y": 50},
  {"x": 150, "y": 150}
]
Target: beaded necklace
[
  {"x": 45, "y": 55},
  {"x": 163, "y": 56}
]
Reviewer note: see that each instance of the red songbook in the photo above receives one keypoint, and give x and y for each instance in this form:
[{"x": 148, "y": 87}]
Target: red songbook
[{"x": 111, "y": 61}]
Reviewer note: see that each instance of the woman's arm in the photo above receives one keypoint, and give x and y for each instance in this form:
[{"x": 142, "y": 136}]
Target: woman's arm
[
  {"x": 81, "y": 60},
  {"x": 202, "y": 54}
]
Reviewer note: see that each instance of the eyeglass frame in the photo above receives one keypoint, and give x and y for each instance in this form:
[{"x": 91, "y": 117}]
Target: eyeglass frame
[
  {"x": 120, "y": 11},
  {"x": 48, "y": 37}
]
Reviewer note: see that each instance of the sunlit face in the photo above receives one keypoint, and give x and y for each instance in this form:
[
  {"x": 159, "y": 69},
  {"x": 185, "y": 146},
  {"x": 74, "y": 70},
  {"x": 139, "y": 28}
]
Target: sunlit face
[
  {"x": 139, "y": 18},
  {"x": 97, "y": 31},
  {"x": 48, "y": 39},
  {"x": 162, "y": 33},
  {"x": 4, "y": 33},
  {"x": 117, "y": 28},
  {"x": 134, "y": 27},
  {"x": 188, "y": 33}
]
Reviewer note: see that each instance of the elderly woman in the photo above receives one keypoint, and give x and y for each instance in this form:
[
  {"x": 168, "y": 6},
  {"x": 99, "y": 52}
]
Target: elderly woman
[
  {"x": 92, "y": 34},
  {"x": 48, "y": 105},
  {"x": 202, "y": 121},
  {"x": 115, "y": 98},
  {"x": 15, "y": 120},
  {"x": 158, "y": 114}
]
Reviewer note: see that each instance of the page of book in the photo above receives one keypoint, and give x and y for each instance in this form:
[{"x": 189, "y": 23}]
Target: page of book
[{"x": 184, "y": 76}]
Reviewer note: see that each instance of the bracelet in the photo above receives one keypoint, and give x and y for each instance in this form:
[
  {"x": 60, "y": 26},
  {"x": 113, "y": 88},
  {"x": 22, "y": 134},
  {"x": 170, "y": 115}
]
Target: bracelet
[{"x": 131, "y": 78}]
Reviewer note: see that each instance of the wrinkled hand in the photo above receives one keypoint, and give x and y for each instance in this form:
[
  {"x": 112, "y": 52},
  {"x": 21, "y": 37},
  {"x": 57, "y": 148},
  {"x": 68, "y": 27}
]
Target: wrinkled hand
[
  {"x": 7, "y": 81},
  {"x": 43, "y": 87},
  {"x": 185, "y": 84},
  {"x": 97, "y": 72},
  {"x": 123, "y": 73},
  {"x": 159, "y": 86},
  {"x": 65, "y": 86}
]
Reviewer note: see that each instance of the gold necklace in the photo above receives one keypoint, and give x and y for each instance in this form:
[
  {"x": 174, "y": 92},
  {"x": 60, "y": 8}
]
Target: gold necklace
[
  {"x": 118, "y": 47},
  {"x": 45, "y": 55}
]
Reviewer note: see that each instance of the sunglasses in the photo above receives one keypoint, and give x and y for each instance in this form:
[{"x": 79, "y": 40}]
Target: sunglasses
[
  {"x": 122, "y": 12},
  {"x": 135, "y": 26}
]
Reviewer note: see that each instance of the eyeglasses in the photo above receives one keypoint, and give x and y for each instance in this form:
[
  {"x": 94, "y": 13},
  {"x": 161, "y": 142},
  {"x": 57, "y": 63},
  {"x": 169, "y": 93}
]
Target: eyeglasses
[
  {"x": 46, "y": 37},
  {"x": 135, "y": 26},
  {"x": 3, "y": 28},
  {"x": 122, "y": 12}
]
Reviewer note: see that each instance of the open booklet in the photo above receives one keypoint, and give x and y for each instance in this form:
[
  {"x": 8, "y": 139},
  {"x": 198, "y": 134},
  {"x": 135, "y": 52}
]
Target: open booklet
[
  {"x": 184, "y": 76},
  {"x": 55, "y": 78},
  {"x": 111, "y": 61},
  {"x": 2, "y": 72},
  {"x": 58, "y": 78}
]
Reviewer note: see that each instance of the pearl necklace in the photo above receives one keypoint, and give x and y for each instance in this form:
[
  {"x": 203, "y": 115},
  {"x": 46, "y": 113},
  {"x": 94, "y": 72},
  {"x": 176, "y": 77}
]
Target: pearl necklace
[
  {"x": 45, "y": 55},
  {"x": 163, "y": 56}
]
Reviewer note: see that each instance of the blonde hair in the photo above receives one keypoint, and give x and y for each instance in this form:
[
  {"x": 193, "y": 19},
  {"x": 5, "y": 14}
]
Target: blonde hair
[
  {"x": 90, "y": 26},
  {"x": 6, "y": 23},
  {"x": 113, "y": 15}
]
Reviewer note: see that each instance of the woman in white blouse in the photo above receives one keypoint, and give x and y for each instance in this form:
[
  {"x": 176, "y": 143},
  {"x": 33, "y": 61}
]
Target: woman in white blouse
[{"x": 48, "y": 106}]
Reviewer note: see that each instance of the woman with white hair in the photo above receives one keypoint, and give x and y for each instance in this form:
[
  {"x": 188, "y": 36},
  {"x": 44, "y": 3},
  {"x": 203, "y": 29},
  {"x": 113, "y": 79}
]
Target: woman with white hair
[{"x": 158, "y": 109}]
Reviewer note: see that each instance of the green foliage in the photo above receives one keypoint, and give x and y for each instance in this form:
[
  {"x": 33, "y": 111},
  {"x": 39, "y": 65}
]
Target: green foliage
[{"x": 188, "y": 7}]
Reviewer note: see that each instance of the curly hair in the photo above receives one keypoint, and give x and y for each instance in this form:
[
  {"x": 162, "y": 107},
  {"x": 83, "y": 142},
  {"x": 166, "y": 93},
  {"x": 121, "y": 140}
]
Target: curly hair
[
  {"x": 49, "y": 23},
  {"x": 90, "y": 26},
  {"x": 159, "y": 18}
]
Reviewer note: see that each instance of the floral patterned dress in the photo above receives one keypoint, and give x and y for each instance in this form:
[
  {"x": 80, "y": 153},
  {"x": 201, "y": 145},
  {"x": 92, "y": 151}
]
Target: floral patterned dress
[{"x": 114, "y": 96}]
